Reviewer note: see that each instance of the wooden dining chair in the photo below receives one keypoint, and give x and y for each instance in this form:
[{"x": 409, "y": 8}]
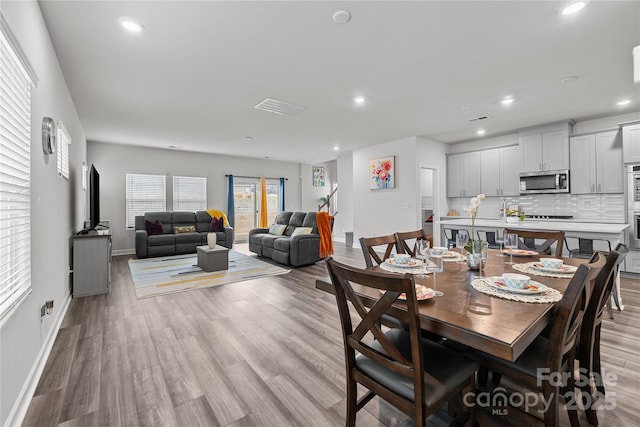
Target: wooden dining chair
[
  {"x": 416, "y": 376},
  {"x": 371, "y": 247},
  {"x": 527, "y": 240},
  {"x": 550, "y": 359},
  {"x": 407, "y": 240},
  {"x": 589, "y": 345}
]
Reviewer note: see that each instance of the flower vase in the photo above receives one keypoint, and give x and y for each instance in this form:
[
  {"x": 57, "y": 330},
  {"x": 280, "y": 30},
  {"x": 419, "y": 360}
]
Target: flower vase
[
  {"x": 475, "y": 258},
  {"x": 212, "y": 239}
]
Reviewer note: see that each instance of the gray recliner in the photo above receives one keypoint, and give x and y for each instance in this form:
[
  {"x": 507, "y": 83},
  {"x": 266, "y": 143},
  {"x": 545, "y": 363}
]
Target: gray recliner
[{"x": 295, "y": 251}]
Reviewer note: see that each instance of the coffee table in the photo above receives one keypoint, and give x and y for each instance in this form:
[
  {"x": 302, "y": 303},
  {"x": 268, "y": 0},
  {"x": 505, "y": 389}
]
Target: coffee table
[{"x": 213, "y": 259}]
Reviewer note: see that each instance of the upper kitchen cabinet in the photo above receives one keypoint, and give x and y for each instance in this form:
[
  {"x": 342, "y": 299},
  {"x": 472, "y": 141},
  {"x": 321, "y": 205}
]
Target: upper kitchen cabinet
[
  {"x": 596, "y": 163},
  {"x": 545, "y": 149},
  {"x": 463, "y": 174},
  {"x": 500, "y": 171},
  {"x": 631, "y": 143}
]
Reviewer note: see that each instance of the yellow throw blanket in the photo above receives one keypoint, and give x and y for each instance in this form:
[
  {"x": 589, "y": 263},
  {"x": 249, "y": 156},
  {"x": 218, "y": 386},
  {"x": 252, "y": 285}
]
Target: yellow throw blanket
[{"x": 219, "y": 214}]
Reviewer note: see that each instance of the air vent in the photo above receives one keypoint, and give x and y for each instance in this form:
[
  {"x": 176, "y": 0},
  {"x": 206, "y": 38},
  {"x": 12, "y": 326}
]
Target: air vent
[
  {"x": 479, "y": 118},
  {"x": 280, "y": 107}
]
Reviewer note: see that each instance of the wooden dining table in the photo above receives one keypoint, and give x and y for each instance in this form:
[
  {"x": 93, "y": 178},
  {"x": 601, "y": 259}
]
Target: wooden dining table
[{"x": 494, "y": 325}]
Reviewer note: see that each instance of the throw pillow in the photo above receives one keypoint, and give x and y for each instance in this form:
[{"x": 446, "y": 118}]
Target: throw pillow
[
  {"x": 217, "y": 225},
  {"x": 277, "y": 229},
  {"x": 153, "y": 228},
  {"x": 184, "y": 229},
  {"x": 301, "y": 230}
]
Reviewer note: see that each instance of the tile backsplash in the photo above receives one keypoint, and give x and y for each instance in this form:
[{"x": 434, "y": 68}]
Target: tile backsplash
[{"x": 583, "y": 207}]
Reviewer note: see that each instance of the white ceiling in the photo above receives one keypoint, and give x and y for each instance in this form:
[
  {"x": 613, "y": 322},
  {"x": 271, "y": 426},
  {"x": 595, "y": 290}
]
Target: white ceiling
[{"x": 192, "y": 78}]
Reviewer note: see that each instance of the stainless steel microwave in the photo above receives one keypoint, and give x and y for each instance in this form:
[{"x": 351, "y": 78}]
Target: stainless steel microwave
[{"x": 544, "y": 182}]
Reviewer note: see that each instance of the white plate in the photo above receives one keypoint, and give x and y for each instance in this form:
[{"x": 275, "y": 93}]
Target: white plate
[
  {"x": 412, "y": 263},
  {"x": 498, "y": 283},
  {"x": 422, "y": 293},
  {"x": 565, "y": 269}
]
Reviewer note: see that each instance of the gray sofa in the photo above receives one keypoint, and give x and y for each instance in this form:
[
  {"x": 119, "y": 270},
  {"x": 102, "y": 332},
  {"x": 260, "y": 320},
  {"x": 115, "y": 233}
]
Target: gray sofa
[
  {"x": 169, "y": 243},
  {"x": 295, "y": 251}
]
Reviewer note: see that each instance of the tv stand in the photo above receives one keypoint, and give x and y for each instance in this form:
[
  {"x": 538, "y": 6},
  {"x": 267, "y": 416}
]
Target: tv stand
[{"x": 91, "y": 262}]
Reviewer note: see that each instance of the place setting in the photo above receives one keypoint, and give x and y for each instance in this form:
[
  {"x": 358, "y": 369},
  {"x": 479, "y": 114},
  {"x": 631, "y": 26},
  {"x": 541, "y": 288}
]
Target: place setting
[
  {"x": 403, "y": 263},
  {"x": 548, "y": 267},
  {"x": 516, "y": 287},
  {"x": 423, "y": 293}
]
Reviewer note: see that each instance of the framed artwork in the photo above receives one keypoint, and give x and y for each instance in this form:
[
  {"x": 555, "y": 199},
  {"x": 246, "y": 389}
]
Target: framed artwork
[
  {"x": 382, "y": 173},
  {"x": 318, "y": 176}
]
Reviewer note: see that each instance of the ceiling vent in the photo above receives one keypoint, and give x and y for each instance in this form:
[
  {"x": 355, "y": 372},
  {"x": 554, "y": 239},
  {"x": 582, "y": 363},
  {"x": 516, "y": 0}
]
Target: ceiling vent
[
  {"x": 280, "y": 107},
  {"x": 479, "y": 118}
]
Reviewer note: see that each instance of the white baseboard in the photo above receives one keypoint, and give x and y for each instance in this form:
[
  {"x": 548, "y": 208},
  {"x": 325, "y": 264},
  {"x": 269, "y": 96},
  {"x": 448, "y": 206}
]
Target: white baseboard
[
  {"x": 123, "y": 252},
  {"x": 20, "y": 407}
]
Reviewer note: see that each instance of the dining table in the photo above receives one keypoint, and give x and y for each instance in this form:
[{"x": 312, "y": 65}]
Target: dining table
[{"x": 501, "y": 327}]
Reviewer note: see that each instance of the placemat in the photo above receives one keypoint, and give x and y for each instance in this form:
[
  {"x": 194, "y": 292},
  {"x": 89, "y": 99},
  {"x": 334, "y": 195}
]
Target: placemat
[
  {"x": 394, "y": 269},
  {"x": 527, "y": 267},
  {"x": 550, "y": 295}
]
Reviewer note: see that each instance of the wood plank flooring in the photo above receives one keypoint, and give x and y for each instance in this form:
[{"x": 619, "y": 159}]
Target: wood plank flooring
[{"x": 266, "y": 352}]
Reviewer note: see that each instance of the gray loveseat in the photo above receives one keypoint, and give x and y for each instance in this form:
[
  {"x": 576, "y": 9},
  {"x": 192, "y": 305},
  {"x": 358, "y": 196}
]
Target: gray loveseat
[
  {"x": 295, "y": 251},
  {"x": 170, "y": 243}
]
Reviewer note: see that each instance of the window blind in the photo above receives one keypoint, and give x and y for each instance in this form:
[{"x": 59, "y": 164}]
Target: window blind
[
  {"x": 63, "y": 151},
  {"x": 144, "y": 193},
  {"x": 189, "y": 193},
  {"x": 15, "y": 174}
]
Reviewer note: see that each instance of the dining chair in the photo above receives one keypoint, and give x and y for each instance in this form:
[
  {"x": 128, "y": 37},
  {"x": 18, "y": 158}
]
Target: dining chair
[
  {"x": 527, "y": 240},
  {"x": 490, "y": 237},
  {"x": 450, "y": 236},
  {"x": 407, "y": 240},
  {"x": 371, "y": 247},
  {"x": 415, "y": 375},
  {"x": 547, "y": 365},
  {"x": 589, "y": 345},
  {"x": 585, "y": 247}
]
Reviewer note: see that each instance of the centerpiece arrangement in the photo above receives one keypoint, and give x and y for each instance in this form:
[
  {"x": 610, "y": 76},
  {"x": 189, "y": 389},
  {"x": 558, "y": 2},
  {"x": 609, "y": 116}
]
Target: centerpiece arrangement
[{"x": 474, "y": 247}]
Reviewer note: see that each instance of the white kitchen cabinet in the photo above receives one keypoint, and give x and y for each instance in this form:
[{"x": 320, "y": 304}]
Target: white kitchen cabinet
[
  {"x": 463, "y": 174},
  {"x": 545, "y": 150},
  {"x": 596, "y": 163},
  {"x": 500, "y": 171},
  {"x": 631, "y": 143}
]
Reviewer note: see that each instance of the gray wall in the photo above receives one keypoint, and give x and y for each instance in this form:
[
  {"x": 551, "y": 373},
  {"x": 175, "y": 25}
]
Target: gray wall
[
  {"x": 113, "y": 161},
  {"x": 55, "y": 213}
]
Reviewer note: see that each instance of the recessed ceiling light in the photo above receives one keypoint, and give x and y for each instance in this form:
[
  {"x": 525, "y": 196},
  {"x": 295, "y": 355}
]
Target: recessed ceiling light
[
  {"x": 624, "y": 102},
  {"x": 341, "y": 17},
  {"x": 336, "y": 148},
  {"x": 248, "y": 138},
  {"x": 573, "y": 7},
  {"x": 569, "y": 79},
  {"x": 132, "y": 25},
  {"x": 507, "y": 100},
  {"x": 359, "y": 99},
  {"x": 481, "y": 132}
]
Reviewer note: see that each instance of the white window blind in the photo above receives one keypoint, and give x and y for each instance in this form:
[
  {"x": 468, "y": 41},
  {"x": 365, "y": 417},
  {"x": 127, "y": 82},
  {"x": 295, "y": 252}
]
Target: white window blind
[
  {"x": 189, "y": 193},
  {"x": 144, "y": 193},
  {"x": 16, "y": 79},
  {"x": 63, "y": 151}
]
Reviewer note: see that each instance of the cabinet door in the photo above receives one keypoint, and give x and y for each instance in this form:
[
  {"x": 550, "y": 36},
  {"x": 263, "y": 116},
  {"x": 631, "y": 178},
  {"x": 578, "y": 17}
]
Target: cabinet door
[
  {"x": 631, "y": 143},
  {"x": 609, "y": 170},
  {"x": 531, "y": 146},
  {"x": 490, "y": 172},
  {"x": 510, "y": 171},
  {"x": 455, "y": 171},
  {"x": 471, "y": 183},
  {"x": 583, "y": 172},
  {"x": 555, "y": 150}
]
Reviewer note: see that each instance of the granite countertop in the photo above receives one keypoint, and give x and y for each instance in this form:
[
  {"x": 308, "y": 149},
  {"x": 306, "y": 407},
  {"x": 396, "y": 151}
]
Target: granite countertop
[{"x": 531, "y": 224}]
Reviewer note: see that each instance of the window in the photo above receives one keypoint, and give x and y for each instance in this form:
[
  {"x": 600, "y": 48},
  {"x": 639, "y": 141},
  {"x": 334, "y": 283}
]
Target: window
[
  {"x": 189, "y": 193},
  {"x": 63, "y": 151},
  {"x": 16, "y": 79},
  {"x": 144, "y": 193}
]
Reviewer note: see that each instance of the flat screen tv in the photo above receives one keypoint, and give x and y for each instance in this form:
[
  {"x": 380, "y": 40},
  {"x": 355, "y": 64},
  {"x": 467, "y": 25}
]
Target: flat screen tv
[{"x": 94, "y": 198}]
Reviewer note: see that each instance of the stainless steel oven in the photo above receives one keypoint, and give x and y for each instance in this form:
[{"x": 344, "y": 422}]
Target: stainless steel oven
[
  {"x": 634, "y": 229},
  {"x": 633, "y": 188}
]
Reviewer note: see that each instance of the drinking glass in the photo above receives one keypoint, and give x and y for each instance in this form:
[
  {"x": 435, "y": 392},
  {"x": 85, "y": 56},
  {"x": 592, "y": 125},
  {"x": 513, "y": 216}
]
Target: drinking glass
[
  {"x": 434, "y": 265},
  {"x": 499, "y": 239},
  {"x": 461, "y": 241},
  {"x": 510, "y": 242},
  {"x": 422, "y": 251}
]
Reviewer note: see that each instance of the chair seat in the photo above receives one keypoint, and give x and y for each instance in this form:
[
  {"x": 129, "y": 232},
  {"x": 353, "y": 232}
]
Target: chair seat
[{"x": 444, "y": 368}]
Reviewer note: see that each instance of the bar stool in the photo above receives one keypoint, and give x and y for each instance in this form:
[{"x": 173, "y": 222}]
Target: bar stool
[{"x": 585, "y": 247}]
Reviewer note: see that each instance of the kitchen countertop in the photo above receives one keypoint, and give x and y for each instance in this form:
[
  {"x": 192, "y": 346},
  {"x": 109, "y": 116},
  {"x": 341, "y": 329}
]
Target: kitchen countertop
[{"x": 532, "y": 224}]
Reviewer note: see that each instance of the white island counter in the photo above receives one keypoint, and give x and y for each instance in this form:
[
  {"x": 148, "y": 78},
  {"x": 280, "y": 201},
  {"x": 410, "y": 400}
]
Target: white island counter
[{"x": 571, "y": 228}]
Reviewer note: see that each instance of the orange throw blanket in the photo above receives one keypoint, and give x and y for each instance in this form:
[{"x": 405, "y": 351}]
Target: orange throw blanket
[{"x": 324, "y": 229}]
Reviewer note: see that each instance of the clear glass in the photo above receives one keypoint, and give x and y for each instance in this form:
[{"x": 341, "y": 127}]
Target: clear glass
[
  {"x": 499, "y": 239},
  {"x": 422, "y": 253},
  {"x": 434, "y": 265},
  {"x": 511, "y": 243},
  {"x": 461, "y": 241}
]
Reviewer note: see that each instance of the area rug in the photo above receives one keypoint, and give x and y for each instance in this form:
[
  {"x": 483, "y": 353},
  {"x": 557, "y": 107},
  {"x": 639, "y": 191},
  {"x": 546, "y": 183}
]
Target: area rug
[{"x": 170, "y": 274}]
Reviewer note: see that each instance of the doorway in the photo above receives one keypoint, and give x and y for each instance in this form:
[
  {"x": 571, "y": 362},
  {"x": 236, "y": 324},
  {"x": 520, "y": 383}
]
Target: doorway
[
  {"x": 246, "y": 198},
  {"x": 429, "y": 202}
]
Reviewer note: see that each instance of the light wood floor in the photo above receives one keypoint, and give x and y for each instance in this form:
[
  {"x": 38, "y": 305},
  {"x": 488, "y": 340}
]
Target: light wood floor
[{"x": 266, "y": 352}]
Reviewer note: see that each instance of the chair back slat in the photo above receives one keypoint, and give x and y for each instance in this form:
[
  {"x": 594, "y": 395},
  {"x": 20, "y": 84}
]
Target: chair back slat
[
  {"x": 527, "y": 240},
  {"x": 607, "y": 281},
  {"x": 407, "y": 240},
  {"x": 370, "y": 244}
]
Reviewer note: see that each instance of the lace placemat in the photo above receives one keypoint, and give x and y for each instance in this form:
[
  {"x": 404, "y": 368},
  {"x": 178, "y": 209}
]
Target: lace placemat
[
  {"x": 549, "y": 295},
  {"x": 394, "y": 269},
  {"x": 528, "y": 268},
  {"x": 456, "y": 258}
]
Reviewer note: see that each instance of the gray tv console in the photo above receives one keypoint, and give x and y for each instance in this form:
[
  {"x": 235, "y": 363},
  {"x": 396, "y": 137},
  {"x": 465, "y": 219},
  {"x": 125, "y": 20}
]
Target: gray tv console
[{"x": 91, "y": 263}]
